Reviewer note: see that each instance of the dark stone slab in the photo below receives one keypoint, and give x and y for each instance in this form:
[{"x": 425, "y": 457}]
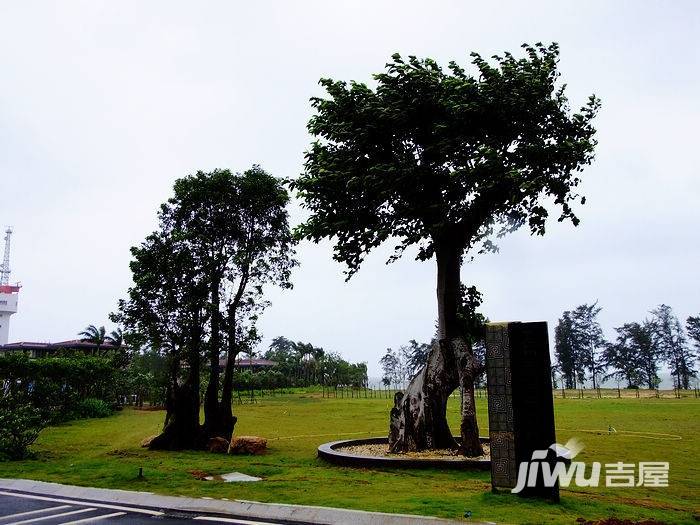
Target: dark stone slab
[{"x": 521, "y": 407}]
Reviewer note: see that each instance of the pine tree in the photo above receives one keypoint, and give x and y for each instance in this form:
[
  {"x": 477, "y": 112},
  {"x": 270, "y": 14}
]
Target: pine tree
[
  {"x": 670, "y": 340},
  {"x": 564, "y": 350},
  {"x": 588, "y": 341},
  {"x": 632, "y": 357}
]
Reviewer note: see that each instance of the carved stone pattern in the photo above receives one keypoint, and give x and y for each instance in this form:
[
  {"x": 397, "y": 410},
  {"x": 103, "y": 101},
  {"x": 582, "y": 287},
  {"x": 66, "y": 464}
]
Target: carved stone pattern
[{"x": 499, "y": 387}]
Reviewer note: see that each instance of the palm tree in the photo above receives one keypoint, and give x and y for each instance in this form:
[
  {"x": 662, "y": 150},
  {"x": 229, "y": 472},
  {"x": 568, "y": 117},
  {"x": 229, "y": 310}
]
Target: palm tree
[
  {"x": 94, "y": 335},
  {"x": 115, "y": 338}
]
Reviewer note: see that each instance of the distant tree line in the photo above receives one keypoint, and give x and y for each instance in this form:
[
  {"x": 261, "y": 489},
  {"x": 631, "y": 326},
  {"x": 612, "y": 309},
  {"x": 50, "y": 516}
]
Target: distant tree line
[
  {"x": 633, "y": 357},
  {"x": 297, "y": 364},
  {"x": 303, "y": 364}
]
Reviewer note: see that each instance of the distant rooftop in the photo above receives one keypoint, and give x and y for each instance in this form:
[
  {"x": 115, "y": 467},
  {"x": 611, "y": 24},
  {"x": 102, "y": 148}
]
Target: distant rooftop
[{"x": 72, "y": 344}]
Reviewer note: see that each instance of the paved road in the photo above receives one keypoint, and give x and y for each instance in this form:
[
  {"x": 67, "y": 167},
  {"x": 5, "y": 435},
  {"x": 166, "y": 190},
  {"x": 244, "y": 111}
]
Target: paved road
[{"x": 20, "y": 508}]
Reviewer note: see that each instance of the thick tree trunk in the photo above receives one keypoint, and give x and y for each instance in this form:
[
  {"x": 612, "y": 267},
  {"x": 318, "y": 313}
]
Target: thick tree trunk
[
  {"x": 448, "y": 284},
  {"x": 211, "y": 398},
  {"x": 418, "y": 420},
  {"x": 468, "y": 428},
  {"x": 181, "y": 429},
  {"x": 226, "y": 419}
]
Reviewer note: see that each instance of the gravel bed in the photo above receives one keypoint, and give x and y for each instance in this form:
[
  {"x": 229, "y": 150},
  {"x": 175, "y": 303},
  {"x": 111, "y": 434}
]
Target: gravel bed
[{"x": 382, "y": 450}]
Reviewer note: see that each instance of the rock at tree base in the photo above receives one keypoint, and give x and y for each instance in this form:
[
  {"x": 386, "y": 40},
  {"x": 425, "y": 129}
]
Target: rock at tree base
[
  {"x": 247, "y": 445},
  {"x": 218, "y": 445},
  {"x": 146, "y": 442}
]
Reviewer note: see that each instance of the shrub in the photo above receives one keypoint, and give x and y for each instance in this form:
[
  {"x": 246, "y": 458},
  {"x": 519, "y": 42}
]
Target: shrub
[
  {"x": 20, "y": 425},
  {"x": 57, "y": 385},
  {"x": 92, "y": 407}
]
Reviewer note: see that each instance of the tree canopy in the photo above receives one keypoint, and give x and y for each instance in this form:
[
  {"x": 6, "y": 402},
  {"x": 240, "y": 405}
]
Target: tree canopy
[{"x": 433, "y": 155}]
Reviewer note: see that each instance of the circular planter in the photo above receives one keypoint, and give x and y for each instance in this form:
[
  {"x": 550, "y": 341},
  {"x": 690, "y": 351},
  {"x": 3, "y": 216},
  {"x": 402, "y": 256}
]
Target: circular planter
[{"x": 330, "y": 452}]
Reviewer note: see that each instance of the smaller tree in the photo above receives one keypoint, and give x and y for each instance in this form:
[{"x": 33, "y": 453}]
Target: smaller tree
[
  {"x": 417, "y": 356},
  {"x": 692, "y": 326},
  {"x": 390, "y": 367},
  {"x": 115, "y": 338},
  {"x": 642, "y": 337},
  {"x": 671, "y": 342},
  {"x": 565, "y": 351},
  {"x": 473, "y": 322},
  {"x": 626, "y": 355},
  {"x": 94, "y": 335},
  {"x": 588, "y": 341},
  {"x": 20, "y": 425}
]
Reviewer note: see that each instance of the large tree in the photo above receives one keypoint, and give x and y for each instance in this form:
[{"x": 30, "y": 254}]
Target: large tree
[
  {"x": 229, "y": 235},
  {"x": 237, "y": 227},
  {"x": 443, "y": 160}
]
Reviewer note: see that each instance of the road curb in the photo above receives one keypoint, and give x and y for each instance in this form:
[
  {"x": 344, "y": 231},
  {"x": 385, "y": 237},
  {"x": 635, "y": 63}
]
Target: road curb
[{"x": 238, "y": 508}]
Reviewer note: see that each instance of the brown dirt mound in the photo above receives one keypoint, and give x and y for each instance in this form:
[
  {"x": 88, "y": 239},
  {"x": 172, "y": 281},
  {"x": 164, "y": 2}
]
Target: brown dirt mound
[{"x": 198, "y": 474}]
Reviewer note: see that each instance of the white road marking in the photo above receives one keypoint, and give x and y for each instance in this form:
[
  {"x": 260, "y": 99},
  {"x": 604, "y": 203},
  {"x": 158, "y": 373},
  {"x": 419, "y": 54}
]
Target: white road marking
[
  {"x": 91, "y": 503},
  {"x": 232, "y": 520},
  {"x": 96, "y": 518},
  {"x": 30, "y": 512},
  {"x": 52, "y": 516}
]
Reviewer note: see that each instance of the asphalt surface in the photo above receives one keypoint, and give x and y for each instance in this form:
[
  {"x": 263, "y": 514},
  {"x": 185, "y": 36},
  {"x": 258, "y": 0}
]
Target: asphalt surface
[{"x": 20, "y": 508}]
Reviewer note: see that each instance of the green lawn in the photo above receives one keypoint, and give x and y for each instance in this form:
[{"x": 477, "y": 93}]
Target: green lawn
[{"x": 106, "y": 453}]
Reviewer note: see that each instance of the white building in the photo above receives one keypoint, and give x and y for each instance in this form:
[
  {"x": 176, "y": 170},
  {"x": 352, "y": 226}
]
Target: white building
[
  {"x": 8, "y": 293},
  {"x": 8, "y": 306}
]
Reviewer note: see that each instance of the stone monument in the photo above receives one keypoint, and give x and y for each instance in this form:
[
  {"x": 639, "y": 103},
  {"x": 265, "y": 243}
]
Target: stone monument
[{"x": 520, "y": 403}]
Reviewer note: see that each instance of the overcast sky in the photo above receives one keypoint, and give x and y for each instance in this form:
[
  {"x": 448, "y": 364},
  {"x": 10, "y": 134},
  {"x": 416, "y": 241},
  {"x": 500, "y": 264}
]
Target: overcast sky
[{"x": 104, "y": 104}]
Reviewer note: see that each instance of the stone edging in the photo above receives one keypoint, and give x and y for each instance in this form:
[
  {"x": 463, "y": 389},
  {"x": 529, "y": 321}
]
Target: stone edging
[{"x": 330, "y": 452}]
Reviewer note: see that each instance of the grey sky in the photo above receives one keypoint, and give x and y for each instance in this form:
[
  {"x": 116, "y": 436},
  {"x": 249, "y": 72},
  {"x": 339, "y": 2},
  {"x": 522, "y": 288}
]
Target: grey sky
[{"x": 104, "y": 104}]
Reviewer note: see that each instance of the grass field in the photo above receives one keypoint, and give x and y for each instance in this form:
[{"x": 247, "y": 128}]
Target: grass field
[{"x": 106, "y": 453}]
